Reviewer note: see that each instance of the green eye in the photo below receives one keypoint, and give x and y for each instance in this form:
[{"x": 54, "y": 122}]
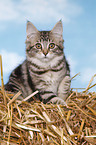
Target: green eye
[
  {"x": 51, "y": 45},
  {"x": 38, "y": 45}
]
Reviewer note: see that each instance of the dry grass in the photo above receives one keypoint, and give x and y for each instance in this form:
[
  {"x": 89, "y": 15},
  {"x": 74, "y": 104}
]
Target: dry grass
[{"x": 35, "y": 123}]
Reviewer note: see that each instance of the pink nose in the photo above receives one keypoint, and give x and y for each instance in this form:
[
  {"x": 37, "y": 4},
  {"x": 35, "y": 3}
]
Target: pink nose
[{"x": 45, "y": 52}]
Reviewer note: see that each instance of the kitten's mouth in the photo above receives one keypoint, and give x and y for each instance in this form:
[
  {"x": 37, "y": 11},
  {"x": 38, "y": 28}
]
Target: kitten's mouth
[{"x": 45, "y": 58}]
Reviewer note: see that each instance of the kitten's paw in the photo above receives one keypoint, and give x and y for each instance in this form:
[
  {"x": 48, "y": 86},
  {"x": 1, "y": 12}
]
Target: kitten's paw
[
  {"x": 57, "y": 100},
  {"x": 64, "y": 88}
]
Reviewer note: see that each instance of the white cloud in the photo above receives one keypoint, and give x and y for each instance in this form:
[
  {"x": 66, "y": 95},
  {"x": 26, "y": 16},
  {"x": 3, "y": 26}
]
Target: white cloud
[
  {"x": 41, "y": 11},
  {"x": 10, "y": 60},
  {"x": 7, "y": 10},
  {"x": 87, "y": 74}
]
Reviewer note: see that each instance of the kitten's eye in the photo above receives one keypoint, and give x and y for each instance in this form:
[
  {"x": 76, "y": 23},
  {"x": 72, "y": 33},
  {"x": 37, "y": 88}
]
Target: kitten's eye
[
  {"x": 51, "y": 45},
  {"x": 38, "y": 45}
]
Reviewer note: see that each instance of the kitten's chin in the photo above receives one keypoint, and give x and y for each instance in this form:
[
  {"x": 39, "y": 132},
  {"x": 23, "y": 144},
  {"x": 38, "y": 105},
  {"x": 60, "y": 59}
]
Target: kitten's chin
[{"x": 44, "y": 59}]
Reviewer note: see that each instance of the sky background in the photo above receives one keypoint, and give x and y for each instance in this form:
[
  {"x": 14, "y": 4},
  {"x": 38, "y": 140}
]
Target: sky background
[{"x": 79, "y": 32}]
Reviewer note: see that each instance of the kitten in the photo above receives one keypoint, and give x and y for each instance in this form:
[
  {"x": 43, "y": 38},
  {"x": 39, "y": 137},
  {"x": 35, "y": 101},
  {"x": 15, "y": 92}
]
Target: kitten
[{"x": 45, "y": 68}]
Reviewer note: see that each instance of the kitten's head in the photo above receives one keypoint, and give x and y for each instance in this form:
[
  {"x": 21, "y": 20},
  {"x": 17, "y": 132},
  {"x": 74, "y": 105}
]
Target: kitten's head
[{"x": 44, "y": 45}]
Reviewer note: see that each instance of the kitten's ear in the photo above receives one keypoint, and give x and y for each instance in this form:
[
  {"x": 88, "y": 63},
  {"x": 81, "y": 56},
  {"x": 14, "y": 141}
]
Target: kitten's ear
[
  {"x": 30, "y": 29},
  {"x": 58, "y": 29},
  {"x": 32, "y": 34},
  {"x": 57, "y": 34}
]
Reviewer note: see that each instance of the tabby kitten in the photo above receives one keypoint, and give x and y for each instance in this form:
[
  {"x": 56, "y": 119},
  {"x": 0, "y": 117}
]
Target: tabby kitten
[{"x": 45, "y": 68}]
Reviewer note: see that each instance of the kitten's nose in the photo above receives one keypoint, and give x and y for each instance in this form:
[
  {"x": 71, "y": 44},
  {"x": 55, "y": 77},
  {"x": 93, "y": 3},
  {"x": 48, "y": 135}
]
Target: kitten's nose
[
  {"x": 45, "y": 52},
  {"x": 45, "y": 48}
]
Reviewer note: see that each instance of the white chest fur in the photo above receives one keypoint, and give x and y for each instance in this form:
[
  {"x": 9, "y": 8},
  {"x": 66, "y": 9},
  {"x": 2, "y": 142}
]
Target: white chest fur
[{"x": 51, "y": 81}]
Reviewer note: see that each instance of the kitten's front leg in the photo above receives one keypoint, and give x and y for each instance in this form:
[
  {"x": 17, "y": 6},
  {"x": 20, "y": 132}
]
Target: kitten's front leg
[
  {"x": 63, "y": 91},
  {"x": 62, "y": 94},
  {"x": 64, "y": 88}
]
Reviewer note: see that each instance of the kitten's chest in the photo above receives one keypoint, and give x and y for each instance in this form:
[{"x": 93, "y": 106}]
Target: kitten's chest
[
  {"x": 51, "y": 80},
  {"x": 51, "y": 77}
]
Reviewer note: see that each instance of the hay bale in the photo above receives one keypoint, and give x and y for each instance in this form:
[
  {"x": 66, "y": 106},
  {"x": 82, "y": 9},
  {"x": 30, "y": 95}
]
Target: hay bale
[{"x": 37, "y": 123}]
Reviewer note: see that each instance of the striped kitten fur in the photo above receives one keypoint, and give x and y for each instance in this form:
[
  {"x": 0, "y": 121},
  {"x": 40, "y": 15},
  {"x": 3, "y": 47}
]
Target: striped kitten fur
[{"x": 45, "y": 68}]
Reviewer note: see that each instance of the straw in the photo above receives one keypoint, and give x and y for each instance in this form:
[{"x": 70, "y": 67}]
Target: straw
[{"x": 2, "y": 82}]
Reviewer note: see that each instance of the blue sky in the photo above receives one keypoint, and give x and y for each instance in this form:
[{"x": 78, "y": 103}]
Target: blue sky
[{"x": 79, "y": 32}]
